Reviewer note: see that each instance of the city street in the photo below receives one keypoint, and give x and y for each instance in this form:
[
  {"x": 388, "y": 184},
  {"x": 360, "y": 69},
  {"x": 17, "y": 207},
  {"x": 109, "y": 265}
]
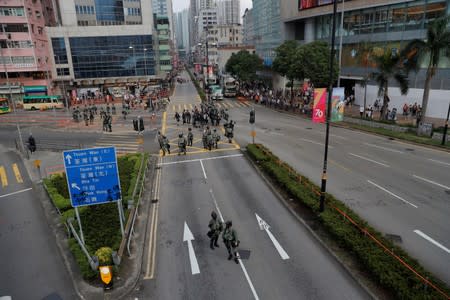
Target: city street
[
  {"x": 281, "y": 262},
  {"x": 401, "y": 189},
  {"x": 31, "y": 265}
]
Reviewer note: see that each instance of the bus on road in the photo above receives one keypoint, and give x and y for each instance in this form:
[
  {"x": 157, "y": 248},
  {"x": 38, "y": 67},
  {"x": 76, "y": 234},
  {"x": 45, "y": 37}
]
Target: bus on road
[
  {"x": 42, "y": 102},
  {"x": 4, "y": 106}
]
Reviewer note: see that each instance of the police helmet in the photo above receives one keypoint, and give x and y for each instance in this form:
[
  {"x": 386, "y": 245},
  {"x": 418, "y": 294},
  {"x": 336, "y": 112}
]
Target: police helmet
[
  {"x": 229, "y": 223},
  {"x": 213, "y": 215},
  {"x": 180, "y": 135}
]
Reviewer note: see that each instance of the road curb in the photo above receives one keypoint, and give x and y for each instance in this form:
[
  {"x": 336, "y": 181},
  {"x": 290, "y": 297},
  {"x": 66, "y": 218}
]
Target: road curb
[{"x": 305, "y": 224}]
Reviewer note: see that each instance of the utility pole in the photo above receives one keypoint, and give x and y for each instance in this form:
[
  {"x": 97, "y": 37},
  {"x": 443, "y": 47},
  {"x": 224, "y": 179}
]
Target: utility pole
[{"x": 330, "y": 92}]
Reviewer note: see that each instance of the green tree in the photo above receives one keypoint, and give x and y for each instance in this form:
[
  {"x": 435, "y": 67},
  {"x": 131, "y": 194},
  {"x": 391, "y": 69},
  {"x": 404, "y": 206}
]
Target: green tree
[
  {"x": 313, "y": 62},
  {"x": 285, "y": 62},
  {"x": 389, "y": 67},
  {"x": 244, "y": 65},
  {"x": 432, "y": 49}
]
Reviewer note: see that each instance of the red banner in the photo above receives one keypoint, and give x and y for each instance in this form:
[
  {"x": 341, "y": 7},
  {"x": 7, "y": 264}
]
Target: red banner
[{"x": 320, "y": 103}]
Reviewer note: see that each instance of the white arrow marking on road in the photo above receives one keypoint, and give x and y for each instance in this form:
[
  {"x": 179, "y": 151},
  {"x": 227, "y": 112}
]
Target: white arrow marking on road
[
  {"x": 69, "y": 158},
  {"x": 188, "y": 237},
  {"x": 264, "y": 226},
  {"x": 75, "y": 186},
  {"x": 432, "y": 241}
]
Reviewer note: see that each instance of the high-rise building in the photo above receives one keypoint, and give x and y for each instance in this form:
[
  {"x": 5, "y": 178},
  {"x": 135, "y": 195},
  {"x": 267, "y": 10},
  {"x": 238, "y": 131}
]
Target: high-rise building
[
  {"x": 25, "y": 57},
  {"x": 229, "y": 11},
  {"x": 267, "y": 28},
  {"x": 103, "y": 42},
  {"x": 384, "y": 25},
  {"x": 205, "y": 4},
  {"x": 248, "y": 28},
  {"x": 182, "y": 30}
]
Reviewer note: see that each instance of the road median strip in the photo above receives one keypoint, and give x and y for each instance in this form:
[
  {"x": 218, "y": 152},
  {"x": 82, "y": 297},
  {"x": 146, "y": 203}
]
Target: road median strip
[{"x": 390, "y": 267}]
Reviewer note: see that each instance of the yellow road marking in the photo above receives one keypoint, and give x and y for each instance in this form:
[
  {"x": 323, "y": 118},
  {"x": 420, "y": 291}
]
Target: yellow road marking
[
  {"x": 185, "y": 106},
  {"x": 191, "y": 107},
  {"x": 340, "y": 166},
  {"x": 3, "y": 176},
  {"x": 17, "y": 173},
  {"x": 164, "y": 119}
]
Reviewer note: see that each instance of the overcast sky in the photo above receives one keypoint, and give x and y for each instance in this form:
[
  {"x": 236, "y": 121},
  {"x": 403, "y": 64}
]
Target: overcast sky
[{"x": 179, "y": 5}]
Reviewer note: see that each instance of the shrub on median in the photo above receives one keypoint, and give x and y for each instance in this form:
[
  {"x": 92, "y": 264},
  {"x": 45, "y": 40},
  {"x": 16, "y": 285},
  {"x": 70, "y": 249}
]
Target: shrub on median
[
  {"x": 101, "y": 224},
  {"x": 385, "y": 269}
]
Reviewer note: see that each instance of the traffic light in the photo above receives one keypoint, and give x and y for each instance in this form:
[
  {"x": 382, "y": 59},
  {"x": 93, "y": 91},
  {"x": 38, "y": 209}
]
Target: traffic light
[{"x": 252, "y": 116}]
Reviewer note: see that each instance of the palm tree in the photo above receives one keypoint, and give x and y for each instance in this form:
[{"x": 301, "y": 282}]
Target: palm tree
[
  {"x": 433, "y": 48},
  {"x": 388, "y": 65}
]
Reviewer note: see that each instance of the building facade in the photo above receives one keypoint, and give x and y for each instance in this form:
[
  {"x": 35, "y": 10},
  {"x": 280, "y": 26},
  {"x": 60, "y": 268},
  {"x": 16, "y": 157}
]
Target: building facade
[
  {"x": 248, "y": 28},
  {"x": 385, "y": 25},
  {"x": 229, "y": 11},
  {"x": 25, "y": 61},
  {"x": 267, "y": 28},
  {"x": 182, "y": 30},
  {"x": 226, "y": 35},
  {"x": 102, "y": 43}
]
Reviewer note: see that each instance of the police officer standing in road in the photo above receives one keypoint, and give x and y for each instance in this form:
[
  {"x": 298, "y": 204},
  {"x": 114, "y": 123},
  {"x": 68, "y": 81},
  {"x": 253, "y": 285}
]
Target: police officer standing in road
[
  {"x": 231, "y": 241},
  {"x": 215, "y": 228},
  {"x": 181, "y": 144},
  {"x": 190, "y": 137},
  {"x": 165, "y": 145}
]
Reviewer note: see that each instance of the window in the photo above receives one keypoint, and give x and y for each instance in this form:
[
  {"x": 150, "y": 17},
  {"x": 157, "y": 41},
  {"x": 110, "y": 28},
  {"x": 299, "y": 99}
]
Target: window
[
  {"x": 22, "y": 60},
  {"x": 11, "y": 11},
  {"x": 14, "y": 27},
  {"x": 59, "y": 50},
  {"x": 37, "y": 13},
  {"x": 40, "y": 30},
  {"x": 62, "y": 71}
]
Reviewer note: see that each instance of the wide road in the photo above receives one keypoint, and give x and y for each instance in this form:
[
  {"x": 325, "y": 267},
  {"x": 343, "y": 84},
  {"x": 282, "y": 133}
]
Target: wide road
[
  {"x": 282, "y": 262},
  {"x": 31, "y": 266},
  {"x": 401, "y": 189}
]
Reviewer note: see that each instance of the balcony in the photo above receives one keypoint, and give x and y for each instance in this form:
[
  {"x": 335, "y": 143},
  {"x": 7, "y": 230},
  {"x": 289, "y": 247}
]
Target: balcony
[
  {"x": 164, "y": 47},
  {"x": 165, "y": 57},
  {"x": 162, "y": 26},
  {"x": 166, "y": 68},
  {"x": 163, "y": 37}
]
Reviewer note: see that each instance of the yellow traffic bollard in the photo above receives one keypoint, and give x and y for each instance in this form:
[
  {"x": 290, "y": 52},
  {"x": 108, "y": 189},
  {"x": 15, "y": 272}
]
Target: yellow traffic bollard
[{"x": 106, "y": 277}]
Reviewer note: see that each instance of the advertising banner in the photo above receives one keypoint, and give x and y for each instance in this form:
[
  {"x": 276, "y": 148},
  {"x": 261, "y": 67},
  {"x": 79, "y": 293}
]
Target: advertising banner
[
  {"x": 337, "y": 105},
  {"x": 319, "y": 109}
]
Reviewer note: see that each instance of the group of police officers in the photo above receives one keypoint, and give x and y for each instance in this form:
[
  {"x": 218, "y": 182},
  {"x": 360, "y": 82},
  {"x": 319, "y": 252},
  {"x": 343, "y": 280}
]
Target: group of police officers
[{"x": 201, "y": 117}]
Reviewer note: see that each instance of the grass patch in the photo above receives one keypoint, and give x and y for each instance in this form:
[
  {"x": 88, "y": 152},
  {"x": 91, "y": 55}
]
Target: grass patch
[
  {"x": 352, "y": 233},
  {"x": 407, "y": 136},
  {"x": 101, "y": 224}
]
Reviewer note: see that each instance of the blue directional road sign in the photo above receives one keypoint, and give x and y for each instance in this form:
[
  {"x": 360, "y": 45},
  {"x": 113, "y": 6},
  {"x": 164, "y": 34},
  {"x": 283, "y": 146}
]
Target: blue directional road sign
[{"x": 92, "y": 176}]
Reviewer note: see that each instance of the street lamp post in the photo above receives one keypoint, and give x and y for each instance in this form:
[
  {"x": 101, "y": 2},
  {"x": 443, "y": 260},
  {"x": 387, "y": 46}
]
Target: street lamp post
[
  {"x": 330, "y": 91},
  {"x": 444, "y": 137},
  {"x": 22, "y": 147},
  {"x": 134, "y": 58},
  {"x": 341, "y": 31},
  {"x": 145, "y": 62}
]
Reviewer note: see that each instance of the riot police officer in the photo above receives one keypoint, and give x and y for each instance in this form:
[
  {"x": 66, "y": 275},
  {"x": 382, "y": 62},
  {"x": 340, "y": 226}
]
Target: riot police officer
[
  {"x": 215, "y": 228},
  {"x": 231, "y": 241},
  {"x": 190, "y": 137},
  {"x": 181, "y": 144}
]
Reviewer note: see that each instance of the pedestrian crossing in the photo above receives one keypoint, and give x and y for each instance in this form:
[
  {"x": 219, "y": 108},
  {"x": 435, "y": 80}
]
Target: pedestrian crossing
[
  {"x": 125, "y": 142},
  {"x": 226, "y": 104},
  {"x": 10, "y": 175}
]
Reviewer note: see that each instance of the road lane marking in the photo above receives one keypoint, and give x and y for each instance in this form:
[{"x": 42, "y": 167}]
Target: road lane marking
[
  {"x": 338, "y": 136},
  {"x": 384, "y": 148},
  {"x": 432, "y": 241},
  {"x": 198, "y": 159},
  {"x": 371, "y": 160},
  {"x": 264, "y": 226},
  {"x": 17, "y": 173},
  {"x": 432, "y": 182},
  {"x": 188, "y": 237},
  {"x": 151, "y": 254},
  {"x": 3, "y": 176},
  {"x": 17, "y": 192},
  {"x": 203, "y": 169},
  {"x": 339, "y": 165},
  {"x": 314, "y": 142},
  {"x": 216, "y": 205},
  {"x": 392, "y": 194},
  {"x": 255, "y": 295},
  {"x": 439, "y": 162}
]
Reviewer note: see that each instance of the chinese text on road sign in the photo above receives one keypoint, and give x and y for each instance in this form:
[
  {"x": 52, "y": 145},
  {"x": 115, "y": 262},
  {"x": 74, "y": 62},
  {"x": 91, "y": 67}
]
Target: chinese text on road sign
[{"x": 92, "y": 176}]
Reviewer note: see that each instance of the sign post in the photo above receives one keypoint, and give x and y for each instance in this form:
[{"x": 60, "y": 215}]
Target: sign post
[{"x": 93, "y": 178}]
